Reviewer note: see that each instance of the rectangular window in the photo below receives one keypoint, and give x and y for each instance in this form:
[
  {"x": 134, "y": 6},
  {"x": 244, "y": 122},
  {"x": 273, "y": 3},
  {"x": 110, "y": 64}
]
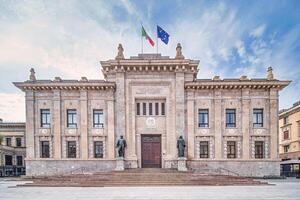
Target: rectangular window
[
  {"x": 19, "y": 160},
  {"x": 144, "y": 109},
  {"x": 45, "y": 151},
  {"x": 162, "y": 108},
  {"x": 138, "y": 109},
  {"x": 285, "y": 120},
  {"x": 98, "y": 149},
  {"x": 150, "y": 108},
  {"x": 203, "y": 118},
  {"x": 259, "y": 149},
  {"x": 71, "y": 145},
  {"x": 286, "y": 135},
  {"x": 156, "y": 109},
  {"x": 98, "y": 119},
  {"x": 45, "y": 118},
  {"x": 258, "y": 117},
  {"x": 18, "y": 142},
  {"x": 231, "y": 149},
  {"x": 8, "y": 141},
  {"x": 204, "y": 149},
  {"x": 71, "y": 118},
  {"x": 286, "y": 148},
  {"x": 230, "y": 118},
  {"x": 8, "y": 160}
]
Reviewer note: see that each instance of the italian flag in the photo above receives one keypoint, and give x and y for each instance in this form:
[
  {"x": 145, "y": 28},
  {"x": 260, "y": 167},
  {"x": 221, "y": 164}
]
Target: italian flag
[{"x": 144, "y": 34}]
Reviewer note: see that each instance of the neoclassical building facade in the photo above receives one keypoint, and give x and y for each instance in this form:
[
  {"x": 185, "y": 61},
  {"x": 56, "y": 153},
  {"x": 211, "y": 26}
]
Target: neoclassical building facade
[{"x": 229, "y": 125}]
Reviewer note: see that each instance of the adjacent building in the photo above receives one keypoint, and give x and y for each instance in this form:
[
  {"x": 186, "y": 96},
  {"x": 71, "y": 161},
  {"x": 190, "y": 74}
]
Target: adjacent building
[
  {"x": 229, "y": 125},
  {"x": 12, "y": 148},
  {"x": 289, "y": 137}
]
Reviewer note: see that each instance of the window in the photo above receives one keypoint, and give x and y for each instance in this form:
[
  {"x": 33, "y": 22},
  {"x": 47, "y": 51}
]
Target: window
[
  {"x": 156, "y": 109},
  {"x": 98, "y": 119},
  {"x": 98, "y": 149},
  {"x": 203, "y": 118},
  {"x": 230, "y": 118},
  {"x": 45, "y": 118},
  {"x": 204, "y": 149},
  {"x": 144, "y": 109},
  {"x": 286, "y": 148},
  {"x": 71, "y": 149},
  {"x": 286, "y": 135},
  {"x": 19, "y": 160},
  {"x": 138, "y": 109},
  {"x": 45, "y": 152},
  {"x": 259, "y": 149},
  {"x": 150, "y": 108},
  {"x": 71, "y": 118},
  {"x": 162, "y": 108},
  {"x": 8, "y": 160},
  {"x": 231, "y": 149},
  {"x": 8, "y": 141},
  {"x": 258, "y": 118},
  {"x": 285, "y": 120},
  {"x": 18, "y": 142}
]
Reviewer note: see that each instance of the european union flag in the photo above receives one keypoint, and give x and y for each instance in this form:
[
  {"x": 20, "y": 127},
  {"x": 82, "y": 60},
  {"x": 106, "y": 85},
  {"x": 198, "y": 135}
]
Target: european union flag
[{"x": 163, "y": 35}]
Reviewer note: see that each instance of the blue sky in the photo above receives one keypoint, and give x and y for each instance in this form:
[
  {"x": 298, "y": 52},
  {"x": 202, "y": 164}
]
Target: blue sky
[{"x": 69, "y": 38}]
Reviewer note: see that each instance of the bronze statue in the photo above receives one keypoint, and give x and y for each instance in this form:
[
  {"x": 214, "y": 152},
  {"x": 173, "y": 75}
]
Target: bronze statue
[
  {"x": 121, "y": 145},
  {"x": 180, "y": 146}
]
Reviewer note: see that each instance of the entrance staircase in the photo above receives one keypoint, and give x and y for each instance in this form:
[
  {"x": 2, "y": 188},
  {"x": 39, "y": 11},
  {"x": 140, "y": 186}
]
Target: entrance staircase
[{"x": 141, "y": 177}]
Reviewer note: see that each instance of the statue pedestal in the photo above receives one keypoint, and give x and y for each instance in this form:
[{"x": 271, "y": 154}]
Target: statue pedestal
[
  {"x": 181, "y": 165},
  {"x": 119, "y": 164}
]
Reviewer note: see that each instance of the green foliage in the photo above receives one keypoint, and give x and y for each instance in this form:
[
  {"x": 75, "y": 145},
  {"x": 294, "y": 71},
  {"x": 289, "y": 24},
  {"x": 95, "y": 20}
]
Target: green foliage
[{"x": 1, "y": 139}]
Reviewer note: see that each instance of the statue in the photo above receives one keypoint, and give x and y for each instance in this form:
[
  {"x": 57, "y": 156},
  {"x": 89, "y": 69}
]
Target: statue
[
  {"x": 179, "y": 52},
  {"x": 121, "y": 145},
  {"x": 270, "y": 75},
  {"x": 180, "y": 146},
  {"x": 32, "y": 75},
  {"x": 120, "y": 52}
]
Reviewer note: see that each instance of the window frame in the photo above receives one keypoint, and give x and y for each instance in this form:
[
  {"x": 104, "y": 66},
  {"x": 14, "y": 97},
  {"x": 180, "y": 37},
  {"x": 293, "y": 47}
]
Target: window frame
[
  {"x": 18, "y": 142},
  {"x": 230, "y": 118},
  {"x": 101, "y": 146},
  {"x": 286, "y": 135},
  {"x": 256, "y": 122},
  {"x": 73, "y": 114},
  {"x": 45, "y": 152},
  {"x": 163, "y": 109},
  {"x": 231, "y": 150},
  {"x": 144, "y": 108},
  {"x": 203, "y": 153},
  {"x": 19, "y": 162},
  {"x": 45, "y": 113},
  {"x": 156, "y": 108},
  {"x": 99, "y": 114},
  {"x": 138, "y": 109},
  {"x": 6, "y": 160},
  {"x": 286, "y": 148},
  {"x": 259, "y": 149},
  {"x": 71, "y": 149},
  {"x": 8, "y": 141},
  {"x": 205, "y": 114},
  {"x": 150, "y": 108}
]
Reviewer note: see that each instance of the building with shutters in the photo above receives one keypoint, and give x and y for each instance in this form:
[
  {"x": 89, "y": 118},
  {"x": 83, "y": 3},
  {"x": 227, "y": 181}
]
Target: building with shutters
[{"x": 229, "y": 125}]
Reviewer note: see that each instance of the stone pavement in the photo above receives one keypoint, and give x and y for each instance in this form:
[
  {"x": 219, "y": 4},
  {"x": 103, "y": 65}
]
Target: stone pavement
[{"x": 283, "y": 189}]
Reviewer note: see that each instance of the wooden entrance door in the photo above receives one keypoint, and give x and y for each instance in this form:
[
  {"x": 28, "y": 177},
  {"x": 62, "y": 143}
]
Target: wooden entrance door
[{"x": 151, "y": 151}]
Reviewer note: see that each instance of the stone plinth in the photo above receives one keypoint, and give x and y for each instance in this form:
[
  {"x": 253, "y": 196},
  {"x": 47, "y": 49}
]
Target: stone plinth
[
  {"x": 120, "y": 164},
  {"x": 181, "y": 166}
]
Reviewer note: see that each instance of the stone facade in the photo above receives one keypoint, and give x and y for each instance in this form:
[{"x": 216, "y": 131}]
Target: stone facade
[
  {"x": 152, "y": 94},
  {"x": 12, "y": 148}
]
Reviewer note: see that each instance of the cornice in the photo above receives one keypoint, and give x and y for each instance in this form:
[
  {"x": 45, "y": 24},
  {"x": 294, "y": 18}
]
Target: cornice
[
  {"x": 236, "y": 84},
  {"x": 65, "y": 85}
]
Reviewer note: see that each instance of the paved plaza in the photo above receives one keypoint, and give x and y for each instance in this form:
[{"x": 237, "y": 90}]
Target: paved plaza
[{"x": 281, "y": 189}]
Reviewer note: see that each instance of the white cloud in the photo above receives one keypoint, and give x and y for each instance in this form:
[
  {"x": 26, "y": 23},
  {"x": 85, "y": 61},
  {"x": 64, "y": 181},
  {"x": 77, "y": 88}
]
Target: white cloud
[
  {"x": 12, "y": 107},
  {"x": 258, "y": 31}
]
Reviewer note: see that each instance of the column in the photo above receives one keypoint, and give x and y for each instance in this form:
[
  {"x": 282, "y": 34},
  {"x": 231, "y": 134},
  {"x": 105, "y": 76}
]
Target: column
[
  {"x": 218, "y": 124},
  {"x": 30, "y": 128},
  {"x": 56, "y": 123},
  {"x": 120, "y": 105},
  {"x": 191, "y": 125},
  {"x": 84, "y": 124},
  {"x": 110, "y": 129},
  {"x": 179, "y": 113},
  {"x": 274, "y": 124},
  {"x": 245, "y": 123}
]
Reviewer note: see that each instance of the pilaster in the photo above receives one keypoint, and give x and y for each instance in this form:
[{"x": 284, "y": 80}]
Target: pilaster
[
  {"x": 30, "y": 128},
  {"x": 191, "y": 124},
  {"x": 246, "y": 123},
  {"x": 56, "y": 123},
  {"x": 274, "y": 123},
  {"x": 110, "y": 129},
  {"x": 218, "y": 124},
  {"x": 84, "y": 124}
]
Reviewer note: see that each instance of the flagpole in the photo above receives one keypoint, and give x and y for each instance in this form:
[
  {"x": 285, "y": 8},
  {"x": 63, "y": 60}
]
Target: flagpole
[
  {"x": 142, "y": 43},
  {"x": 156, "y": 44}
]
